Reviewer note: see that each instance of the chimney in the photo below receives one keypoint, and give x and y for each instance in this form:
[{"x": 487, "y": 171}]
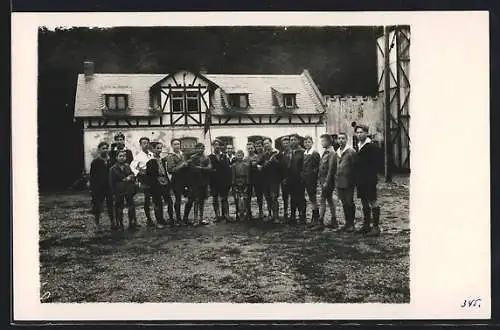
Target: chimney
[{"x": 88, "y": 70}]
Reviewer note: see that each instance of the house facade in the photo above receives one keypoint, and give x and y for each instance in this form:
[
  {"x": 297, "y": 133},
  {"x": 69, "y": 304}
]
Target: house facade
[{"x": 239, "y": 108}]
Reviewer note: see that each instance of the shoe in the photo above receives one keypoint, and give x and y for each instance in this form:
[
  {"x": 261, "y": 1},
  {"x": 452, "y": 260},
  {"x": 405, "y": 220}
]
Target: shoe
[
  {"x": 204, "y": 222},
  {"x": 160, "y": 226},
  {"x": 347, "y": 228},
  {"x": 363, "y": 230},
  {"x": 150, "y": 224},
  {"x": 374, "y": 232}
]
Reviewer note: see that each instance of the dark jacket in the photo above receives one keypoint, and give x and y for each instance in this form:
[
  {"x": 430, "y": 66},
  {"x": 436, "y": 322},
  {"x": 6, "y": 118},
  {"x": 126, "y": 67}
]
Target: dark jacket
[
  {"x": 285, "y": 158},
  {"x": 310, "y": 167},
  {"x": 328, "y": 168},
  {"x": 221, "y": 171},
  {"x": 174, "y": 167},
  {"x": 271, "y": 170},
  {"x": 345, "y": 168},
  {"x": 200, "y": 170},
  {"x": 240, "y": 173},
  {"x": 296, "y": 165},
  {"x": 117, "y": 182},
  {"x": 252, "y": 163},
  {"x": 153, "y": 177},
  {"x": 366, "y": 164},
  {"x": 99, "y": 175}
]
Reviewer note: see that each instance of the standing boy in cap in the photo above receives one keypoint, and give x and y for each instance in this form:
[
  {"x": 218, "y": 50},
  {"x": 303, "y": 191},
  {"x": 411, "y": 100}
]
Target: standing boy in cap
[
  {"x": 345, "y": 181},
  {"x": 177, "y": 168},
  {"x": 258, "y": 179},
  {"x": 118, "y": 146},
  {"x": 99, "y": 184},
  {"x": 220, "y": 181},
  {"x": 159, "y": 184},
  {"x": 295, "y": 182},
  {"x": 268, "y": 164},
  {"x": 123, "y": 187},
  {"x": 200, "y": 169},
  {"x": 251, "y": 160},
  {"x": 138, "y": 167},
  {"x": 326, "y": 179},
  {"x": 366, "y": 181}
]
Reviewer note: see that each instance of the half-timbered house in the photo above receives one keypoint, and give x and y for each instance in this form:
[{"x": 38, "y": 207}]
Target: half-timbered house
[{"x": 163, "y": 106}]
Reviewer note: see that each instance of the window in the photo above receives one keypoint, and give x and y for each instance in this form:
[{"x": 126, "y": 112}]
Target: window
[
  {"x": 177, "y": 102},
  {"x": 289, "y": 100},
  {"x": 185, "y": 102},
  {"x": 117, "y": 102},
  {"x": 192, "y": 101},
  {"x": 225, "y": 140},
  {"x": 238, "y": 100}
]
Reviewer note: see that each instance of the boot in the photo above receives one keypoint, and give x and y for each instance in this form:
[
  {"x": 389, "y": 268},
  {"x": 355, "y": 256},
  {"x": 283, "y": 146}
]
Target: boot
[
  {"x": 349, "y": 218},
  {"x": 132, "y": 220},
  {"x": 177, "y": 208},
  {"x": 170, "y": 214},
  {"x": 215, "y": 204},
  {"x": 225, "y": 210},
  {"x": 187, "y": 210},
  {"x": 366, "y": 221},
  {"x": 375, "y": 231},
  {"x": 159, "y": 217},
  {"x": 119, "y": 219},
  {"x": 314, "y": 218}
]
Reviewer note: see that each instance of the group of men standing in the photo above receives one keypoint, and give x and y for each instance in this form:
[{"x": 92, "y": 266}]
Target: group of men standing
[{"x": 296, "y": 170}]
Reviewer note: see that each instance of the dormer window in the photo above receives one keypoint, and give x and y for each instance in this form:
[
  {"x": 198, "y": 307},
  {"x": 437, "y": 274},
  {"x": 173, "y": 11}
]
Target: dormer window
[
  {"x": 290, "y": 101},
  {"x": 239, "y": 100},
  {"x": 118, "y": 102}
]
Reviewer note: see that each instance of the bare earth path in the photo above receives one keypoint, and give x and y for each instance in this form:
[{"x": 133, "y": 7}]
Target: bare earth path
[{"x": 237, "y": 262}]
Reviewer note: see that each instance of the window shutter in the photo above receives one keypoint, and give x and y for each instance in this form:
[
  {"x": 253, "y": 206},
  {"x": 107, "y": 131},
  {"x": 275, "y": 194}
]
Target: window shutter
[{"x": 102, "y": 102}]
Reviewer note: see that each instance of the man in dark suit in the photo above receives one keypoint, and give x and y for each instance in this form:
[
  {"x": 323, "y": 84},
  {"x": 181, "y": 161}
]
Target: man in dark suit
[
  {"x": 296, "y": 184},
  {"x": 156, "y": 177},
  {"x": 119, "y": 145},
  {"x": 326, "y": 179},
  {"x": 345, "y": 181},
  {"x": 366, "y": 181},
  {"x": 220, "y": 181}
]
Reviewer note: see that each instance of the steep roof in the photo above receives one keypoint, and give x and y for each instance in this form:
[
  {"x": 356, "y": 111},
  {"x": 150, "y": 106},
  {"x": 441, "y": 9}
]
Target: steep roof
[{"x": 259, "y": 88}]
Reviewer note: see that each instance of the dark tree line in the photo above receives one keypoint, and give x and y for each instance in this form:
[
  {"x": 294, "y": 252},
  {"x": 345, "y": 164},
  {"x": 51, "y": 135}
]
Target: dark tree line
[{"x": 341, "y": 60}]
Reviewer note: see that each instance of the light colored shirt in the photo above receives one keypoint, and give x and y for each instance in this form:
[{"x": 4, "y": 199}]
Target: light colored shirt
[
  {"x": 361, "y": 145},
  {"x": 140, "y": 161},
  {"x": 308, "y": 151}
]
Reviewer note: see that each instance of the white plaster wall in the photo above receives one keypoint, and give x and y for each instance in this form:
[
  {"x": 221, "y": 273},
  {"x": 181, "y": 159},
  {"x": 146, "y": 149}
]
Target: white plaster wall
[
  {"x": 241, "y": 133},
  {"x": 92, "y": 137}
]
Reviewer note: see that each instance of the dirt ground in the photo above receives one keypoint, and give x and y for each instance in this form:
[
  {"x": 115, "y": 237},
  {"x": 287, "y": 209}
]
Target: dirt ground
[{"x": 236, "y": 262}]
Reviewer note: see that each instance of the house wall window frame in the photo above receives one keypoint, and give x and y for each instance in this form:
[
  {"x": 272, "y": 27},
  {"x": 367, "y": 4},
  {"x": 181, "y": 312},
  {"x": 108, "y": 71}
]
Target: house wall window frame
[
  {"x": 239, "y": 100},
  {"x": 290, "y": 100},
  {"x": 116, "y": 102},
  {"x": 185, "y": 101}
]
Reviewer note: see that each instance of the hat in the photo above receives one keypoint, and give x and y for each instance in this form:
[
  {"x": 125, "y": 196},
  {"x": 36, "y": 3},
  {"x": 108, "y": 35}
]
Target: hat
[{"x": 363, "y": 127}]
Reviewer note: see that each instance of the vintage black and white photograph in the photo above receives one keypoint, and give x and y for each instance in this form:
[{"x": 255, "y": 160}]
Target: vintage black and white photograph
[{"x": 252, "y": 164}]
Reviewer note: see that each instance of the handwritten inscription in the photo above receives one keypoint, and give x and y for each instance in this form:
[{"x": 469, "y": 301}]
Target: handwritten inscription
[{"x": 470, "y": 303}]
